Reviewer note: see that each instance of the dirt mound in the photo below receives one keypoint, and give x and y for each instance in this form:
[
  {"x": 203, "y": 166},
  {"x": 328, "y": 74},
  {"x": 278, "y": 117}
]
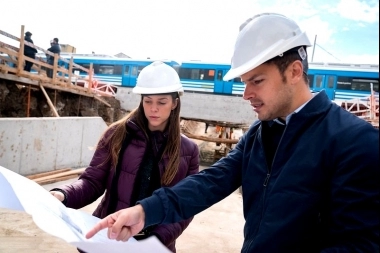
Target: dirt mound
[{"x": 14, "y": 101}]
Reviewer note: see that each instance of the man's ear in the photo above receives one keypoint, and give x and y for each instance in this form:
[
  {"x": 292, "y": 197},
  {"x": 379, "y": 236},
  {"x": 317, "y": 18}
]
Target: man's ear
[{"x": 296, "y": 72}]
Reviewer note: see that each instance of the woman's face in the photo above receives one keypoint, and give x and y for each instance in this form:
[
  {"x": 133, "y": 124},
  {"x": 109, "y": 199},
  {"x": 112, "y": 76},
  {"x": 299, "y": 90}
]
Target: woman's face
[{"x": 157, "y": 109}]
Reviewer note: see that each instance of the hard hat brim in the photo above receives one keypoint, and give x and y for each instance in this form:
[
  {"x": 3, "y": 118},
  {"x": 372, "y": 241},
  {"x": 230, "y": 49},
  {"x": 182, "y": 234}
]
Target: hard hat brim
[{"x": 161, "y": 90}]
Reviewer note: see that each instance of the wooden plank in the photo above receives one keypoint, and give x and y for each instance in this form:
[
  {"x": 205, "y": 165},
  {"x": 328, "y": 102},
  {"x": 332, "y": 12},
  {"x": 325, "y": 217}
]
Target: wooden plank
[
  {"x": 9, "y": 52},
  {"x": 211, "y": 139},
  {"x": 101, "y": 100},
  {"x": 2, "y": 44},
  {"x": 16, "y": 78},
  {"x": 8, "y": 69},
  {"x": 72, "y": 89},
  {"x": 28, "y": 103},
  {"x": 8, "y": 59},
  {"x": 49, "y": 101},
  {"x": 76, "y": 172},
  {"x": 20, "y": 62},
  {"x": 44, "y": 174},
  {"x": 70, "y": 72},
  {"x": 218, "y": 123},
  {"x": 90, "y": 76},
  {"x": 9, "y": 35},
  {"x": 55, "y": 64},
  {"x": 54, "y": 180}
]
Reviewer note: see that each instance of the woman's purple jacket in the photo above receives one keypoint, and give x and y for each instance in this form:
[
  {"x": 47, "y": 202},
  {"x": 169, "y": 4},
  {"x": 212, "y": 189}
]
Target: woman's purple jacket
[{"x": 97, "y": 178}]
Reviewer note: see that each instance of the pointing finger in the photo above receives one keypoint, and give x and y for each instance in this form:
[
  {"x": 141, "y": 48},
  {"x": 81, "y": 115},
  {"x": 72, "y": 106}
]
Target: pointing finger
[{"x": 102, "y": 224}]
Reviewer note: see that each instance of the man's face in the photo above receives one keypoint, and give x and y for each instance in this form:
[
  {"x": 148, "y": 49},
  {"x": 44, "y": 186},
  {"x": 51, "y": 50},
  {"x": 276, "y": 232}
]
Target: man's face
[{"x": 269, "y": 95}]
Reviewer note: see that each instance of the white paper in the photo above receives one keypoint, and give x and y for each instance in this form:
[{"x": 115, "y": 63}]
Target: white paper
[{"x": 20, "y": 193}]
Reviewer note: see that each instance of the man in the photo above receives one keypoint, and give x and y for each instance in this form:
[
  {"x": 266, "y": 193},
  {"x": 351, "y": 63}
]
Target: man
[
  {"x": 29, "y": 51},
  {"x": 309, "y": 170},
  {"x": 55, "y": 49}
]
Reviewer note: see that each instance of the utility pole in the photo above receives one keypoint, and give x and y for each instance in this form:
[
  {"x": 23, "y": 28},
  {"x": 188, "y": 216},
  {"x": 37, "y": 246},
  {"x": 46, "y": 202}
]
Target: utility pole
[{"x": 315, "y": 42}]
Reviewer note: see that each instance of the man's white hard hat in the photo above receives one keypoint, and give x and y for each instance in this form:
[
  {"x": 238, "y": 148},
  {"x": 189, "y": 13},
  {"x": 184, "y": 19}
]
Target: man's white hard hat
[{"x": 261, "y": 38}]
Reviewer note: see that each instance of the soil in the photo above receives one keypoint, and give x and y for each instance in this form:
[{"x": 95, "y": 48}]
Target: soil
[{"x": 14, "y": 100}]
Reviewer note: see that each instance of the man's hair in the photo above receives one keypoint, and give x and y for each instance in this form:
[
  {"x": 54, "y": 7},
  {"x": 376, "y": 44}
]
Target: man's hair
[
  {"x": 283, "y": 62},
  {"x": 56, "y": 40}
]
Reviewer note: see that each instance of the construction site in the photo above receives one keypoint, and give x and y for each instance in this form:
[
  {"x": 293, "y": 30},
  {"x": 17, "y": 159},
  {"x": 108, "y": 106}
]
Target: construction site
[{"x": 49, "y": 128}]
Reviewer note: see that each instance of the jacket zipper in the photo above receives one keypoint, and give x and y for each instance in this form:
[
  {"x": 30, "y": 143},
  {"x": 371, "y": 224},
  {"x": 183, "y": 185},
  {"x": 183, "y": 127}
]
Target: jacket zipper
[
  {"x": 266, "y": 181},
  {"x": 269, "y": 169}
]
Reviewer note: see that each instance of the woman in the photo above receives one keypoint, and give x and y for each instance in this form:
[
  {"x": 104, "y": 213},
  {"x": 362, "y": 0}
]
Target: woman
[{"x": 139, "y": 154}]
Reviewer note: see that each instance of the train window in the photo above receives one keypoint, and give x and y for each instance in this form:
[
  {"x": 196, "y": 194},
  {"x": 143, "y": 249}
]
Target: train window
[
  {"x": 364, "y": 85},
  {"x": 237, "y": 80},
  {"x": 117, "y": 70},
  {"x": 330, "y": 82},
  {"x": 220, "y": 75},
  {"x": 196, "y": 74},
  {"x": 136, "y": 70},
  {"x": 359, "y": 84},
  {"x": 311, "y": 80},
  {"x": 139, "y": 69},
  {"x": 106, "y": 69},
  {"x": 344, "y": 83},
  {"x": 318, "y": 81},
  {"x": 126, "y": 70}
]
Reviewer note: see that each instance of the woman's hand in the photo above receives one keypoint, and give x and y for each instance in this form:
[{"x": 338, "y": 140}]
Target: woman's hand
[{"x": 59, "y": 195}]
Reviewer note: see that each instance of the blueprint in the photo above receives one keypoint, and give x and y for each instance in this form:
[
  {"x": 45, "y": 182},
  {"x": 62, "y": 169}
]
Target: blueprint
[{"x": 49, "y": 214}]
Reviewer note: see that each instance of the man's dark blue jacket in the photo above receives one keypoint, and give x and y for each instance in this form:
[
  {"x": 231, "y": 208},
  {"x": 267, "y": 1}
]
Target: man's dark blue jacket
[{"x": 320, "y": 195}]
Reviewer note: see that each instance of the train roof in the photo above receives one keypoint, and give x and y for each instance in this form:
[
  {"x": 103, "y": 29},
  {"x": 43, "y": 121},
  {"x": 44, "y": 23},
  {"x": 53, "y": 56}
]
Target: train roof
[
  {"x": 344, "y": 66},
  {"x": 100, "y": 57},
  {"x": 194, "y": 63}
]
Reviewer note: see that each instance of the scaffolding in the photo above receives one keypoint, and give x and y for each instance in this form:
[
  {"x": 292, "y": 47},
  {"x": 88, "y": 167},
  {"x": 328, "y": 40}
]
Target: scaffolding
[
  {"x": 12, "y": 68},
  {"x": 365, "y": 108}
]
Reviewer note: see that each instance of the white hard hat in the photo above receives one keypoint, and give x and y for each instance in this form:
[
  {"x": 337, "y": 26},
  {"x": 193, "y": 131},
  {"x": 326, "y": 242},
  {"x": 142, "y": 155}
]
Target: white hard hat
[
  {"x": 158, "y": 78},
  {"x": 262, "y": 38}
]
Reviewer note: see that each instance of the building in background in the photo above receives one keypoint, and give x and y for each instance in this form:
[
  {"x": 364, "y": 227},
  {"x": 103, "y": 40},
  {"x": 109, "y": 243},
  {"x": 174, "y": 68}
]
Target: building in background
[
  {"x": 122, "y": 55},
  {"x": 66, "y": 48}
]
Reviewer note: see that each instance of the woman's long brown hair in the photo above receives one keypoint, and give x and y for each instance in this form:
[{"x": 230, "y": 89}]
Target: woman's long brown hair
[{"x": 172, "y": 149}]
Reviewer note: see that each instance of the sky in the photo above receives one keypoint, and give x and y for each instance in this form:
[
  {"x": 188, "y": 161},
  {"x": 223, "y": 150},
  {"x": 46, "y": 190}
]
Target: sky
[{"x": 345, "y": 31}]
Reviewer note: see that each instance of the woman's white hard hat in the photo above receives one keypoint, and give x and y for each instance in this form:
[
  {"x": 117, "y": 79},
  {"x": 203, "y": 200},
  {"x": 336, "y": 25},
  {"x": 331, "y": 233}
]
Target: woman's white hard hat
[
  {"x": 262, "y": 38},
  {"x": 158, "y": 78}
]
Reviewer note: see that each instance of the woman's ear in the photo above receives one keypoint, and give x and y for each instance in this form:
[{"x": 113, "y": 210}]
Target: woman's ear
[{"x": 175, "y": 103}]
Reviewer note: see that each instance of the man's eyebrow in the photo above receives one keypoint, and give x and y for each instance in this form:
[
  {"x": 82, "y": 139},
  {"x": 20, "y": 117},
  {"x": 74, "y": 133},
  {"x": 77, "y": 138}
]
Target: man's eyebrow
[{"x": 252, "y": 77}]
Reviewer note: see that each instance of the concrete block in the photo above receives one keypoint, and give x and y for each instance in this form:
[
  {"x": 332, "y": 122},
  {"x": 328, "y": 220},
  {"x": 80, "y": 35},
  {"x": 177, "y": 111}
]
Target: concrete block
[{"x": 35, "y": 145}]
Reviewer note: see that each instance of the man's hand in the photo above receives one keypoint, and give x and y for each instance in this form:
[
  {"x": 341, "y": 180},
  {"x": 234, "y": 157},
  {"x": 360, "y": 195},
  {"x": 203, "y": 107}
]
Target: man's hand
[{"x": 121, "y": 225}]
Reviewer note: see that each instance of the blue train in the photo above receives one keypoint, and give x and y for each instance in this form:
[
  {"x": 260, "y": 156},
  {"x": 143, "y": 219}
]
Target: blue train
[{"x": 341, "y": 81}]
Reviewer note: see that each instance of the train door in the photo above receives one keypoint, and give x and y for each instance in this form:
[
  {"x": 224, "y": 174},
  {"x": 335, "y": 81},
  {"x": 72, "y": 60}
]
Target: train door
[
  {"x": 126, "y": 76},
  {"x": 327, "y": 83},
  {"x": 220, "y": 85},
  {"x": 130, "y": 75},
  {"x": 330, "y": 86}
]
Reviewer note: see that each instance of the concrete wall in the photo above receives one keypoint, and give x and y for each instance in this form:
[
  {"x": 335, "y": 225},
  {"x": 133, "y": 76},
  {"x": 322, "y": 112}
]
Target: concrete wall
[
  {"x": 34, "y": 145},
  {"x": 231, "y": 109}
]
